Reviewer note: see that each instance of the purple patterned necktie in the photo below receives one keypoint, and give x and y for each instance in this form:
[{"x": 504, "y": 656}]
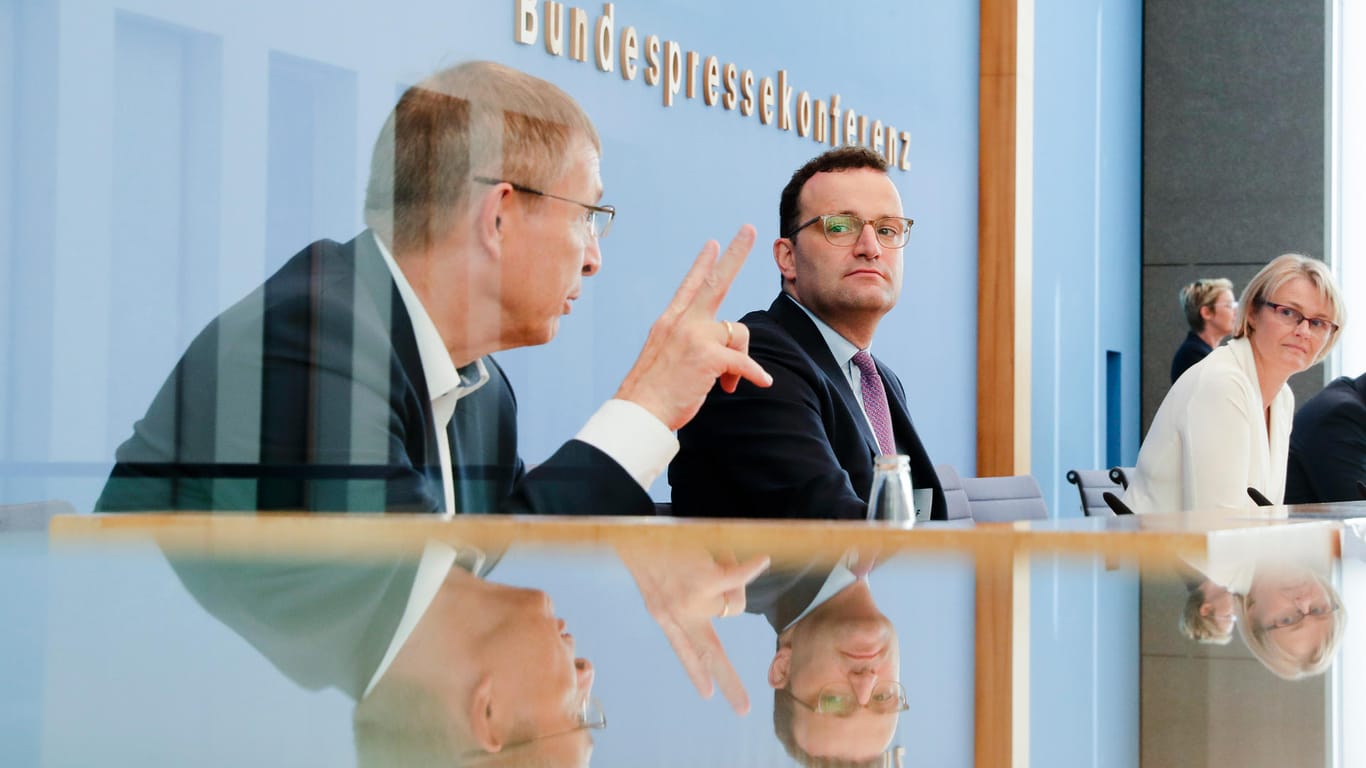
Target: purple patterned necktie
[{"x": 875, "y": 402}]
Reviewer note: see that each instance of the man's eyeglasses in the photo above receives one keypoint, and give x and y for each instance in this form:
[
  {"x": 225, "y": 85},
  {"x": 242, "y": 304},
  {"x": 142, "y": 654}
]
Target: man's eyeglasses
[
  {"x": 1295, "y": 616},
  {"x": 598, "y": 219},
  {"x": 1291, "y": 317},
  {"x": 840, "y": 700},
  {"x": 846, "y": 229}
]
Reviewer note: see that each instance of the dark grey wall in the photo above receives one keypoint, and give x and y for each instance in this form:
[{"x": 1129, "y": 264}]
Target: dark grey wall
[{"x": 1234, "y": 157}]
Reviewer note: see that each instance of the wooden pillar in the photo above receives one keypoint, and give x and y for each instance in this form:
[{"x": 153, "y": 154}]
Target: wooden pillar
[
  {"x": 1001, "y": 668},
  {"x": 1004, "y": 235}
]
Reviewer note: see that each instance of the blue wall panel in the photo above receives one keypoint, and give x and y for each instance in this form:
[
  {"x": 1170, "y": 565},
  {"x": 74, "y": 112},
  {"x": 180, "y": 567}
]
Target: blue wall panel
[
  {"x": 27, "y": 251},
  {"x": 1086, "y": 244},
  {"x": 9, "y": 66},
  {"x": 311, "y": 169},
  {"x": 164, "y": 204},
  {"x": 1084, "y": 640}
]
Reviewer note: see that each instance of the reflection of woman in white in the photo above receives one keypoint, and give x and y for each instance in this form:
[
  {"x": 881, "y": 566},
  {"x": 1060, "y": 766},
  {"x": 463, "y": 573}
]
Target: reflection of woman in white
[
  {"x": 1292, "y": 620},
  {"x": 1225, "y": 424}
]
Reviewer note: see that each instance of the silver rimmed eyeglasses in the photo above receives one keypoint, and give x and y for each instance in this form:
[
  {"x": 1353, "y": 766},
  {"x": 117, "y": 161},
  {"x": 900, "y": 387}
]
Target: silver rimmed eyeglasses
[
  {"x": 846, "y": 229},
  {"x": 598, "y": 218}
]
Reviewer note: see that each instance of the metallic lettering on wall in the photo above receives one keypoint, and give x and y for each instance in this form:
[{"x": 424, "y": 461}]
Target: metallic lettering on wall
[{"x": 686, "y": 74}]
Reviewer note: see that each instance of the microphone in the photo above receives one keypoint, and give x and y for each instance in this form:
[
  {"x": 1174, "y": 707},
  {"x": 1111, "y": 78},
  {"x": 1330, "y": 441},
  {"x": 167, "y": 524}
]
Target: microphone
[
  {"x": 1116, "y": 506},
  {"x": 1257, "y": 496}
]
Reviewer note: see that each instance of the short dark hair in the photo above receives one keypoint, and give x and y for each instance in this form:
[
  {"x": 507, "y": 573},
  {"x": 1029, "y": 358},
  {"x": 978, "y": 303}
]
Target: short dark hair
[{"x": 838, "y": 159}]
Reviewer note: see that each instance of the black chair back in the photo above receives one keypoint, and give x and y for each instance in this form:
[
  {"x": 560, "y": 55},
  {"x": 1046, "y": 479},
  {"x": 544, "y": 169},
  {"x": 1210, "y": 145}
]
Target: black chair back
[{"x": 1091, "y": 483}]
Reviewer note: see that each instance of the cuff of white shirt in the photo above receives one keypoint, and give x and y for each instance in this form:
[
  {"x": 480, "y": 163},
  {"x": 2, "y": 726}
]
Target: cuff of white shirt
[{"x": 633, "y": 437}]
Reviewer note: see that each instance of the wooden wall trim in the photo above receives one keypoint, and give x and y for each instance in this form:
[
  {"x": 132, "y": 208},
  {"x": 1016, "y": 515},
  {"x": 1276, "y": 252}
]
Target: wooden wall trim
[
  {"x": 1002, "y": 278},
  {"x": 1001, "y": 710}
]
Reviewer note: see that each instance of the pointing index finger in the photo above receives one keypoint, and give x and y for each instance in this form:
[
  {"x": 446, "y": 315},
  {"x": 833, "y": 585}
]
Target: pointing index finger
[{"x": 723, "y": 272}]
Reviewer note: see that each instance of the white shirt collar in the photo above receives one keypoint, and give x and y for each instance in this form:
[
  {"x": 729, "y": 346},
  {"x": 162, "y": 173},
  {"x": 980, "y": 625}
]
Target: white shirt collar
[{"x": 441, "y": 374}]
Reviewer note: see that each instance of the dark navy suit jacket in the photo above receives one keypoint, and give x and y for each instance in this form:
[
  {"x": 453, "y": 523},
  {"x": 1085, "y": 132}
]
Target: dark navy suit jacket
[
  {"x": 309, "y": 394},
  {"x": 1328, "y": 445},
  {"x": 799, "y": 449}
]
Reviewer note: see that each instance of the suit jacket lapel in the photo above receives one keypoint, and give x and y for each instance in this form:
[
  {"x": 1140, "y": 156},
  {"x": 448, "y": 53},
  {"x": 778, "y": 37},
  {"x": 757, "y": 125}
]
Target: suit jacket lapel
[
  {"x": 373, "y": 277},
  {"x": 793, "y": 320}
]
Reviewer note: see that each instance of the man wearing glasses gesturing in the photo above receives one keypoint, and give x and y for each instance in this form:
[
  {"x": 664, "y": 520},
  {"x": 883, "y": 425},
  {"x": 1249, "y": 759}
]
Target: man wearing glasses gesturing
[
  {"x": 804, "y": 447},
  {"x": 359, "y": 377}
]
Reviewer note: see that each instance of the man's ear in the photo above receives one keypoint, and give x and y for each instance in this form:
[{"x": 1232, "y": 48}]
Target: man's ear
[
  {"x": 481, "y": 717},
  {"x": 490, "y": 212},
  {"x": 786, "y": 259},
  {"x": 779, "y": 669}
]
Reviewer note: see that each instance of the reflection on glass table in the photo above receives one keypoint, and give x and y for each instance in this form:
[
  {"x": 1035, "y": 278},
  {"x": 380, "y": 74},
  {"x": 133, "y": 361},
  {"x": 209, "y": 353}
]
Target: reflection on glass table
[
  {"x": 171, "y": 657},
  {"x": 1238, "y": 652}
]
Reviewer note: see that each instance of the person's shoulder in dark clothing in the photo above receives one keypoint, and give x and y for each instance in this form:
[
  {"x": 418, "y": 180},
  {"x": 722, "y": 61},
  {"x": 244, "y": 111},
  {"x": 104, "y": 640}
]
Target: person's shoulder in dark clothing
[
  {"x": 1192, "y": 350},
  {"x": 1328, "y": 445}
]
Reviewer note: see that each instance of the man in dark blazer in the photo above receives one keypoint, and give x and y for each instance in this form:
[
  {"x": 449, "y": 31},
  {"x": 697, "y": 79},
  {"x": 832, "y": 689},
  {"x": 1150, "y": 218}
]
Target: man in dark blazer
[
  {"x": 359, "y": 376},
  {"x": 804, "y": 447},
  {"x": 1328, "y": 445}
]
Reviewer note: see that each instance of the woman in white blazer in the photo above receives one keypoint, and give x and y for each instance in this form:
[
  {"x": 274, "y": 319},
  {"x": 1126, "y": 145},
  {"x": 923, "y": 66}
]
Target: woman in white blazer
[{"x": 1225, "y": 424}]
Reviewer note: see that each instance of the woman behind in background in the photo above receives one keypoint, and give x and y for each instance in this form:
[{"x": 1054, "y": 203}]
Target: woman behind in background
[
  {"x": 1225, "y": 425},
  {"x": 1210, "y": 312}
]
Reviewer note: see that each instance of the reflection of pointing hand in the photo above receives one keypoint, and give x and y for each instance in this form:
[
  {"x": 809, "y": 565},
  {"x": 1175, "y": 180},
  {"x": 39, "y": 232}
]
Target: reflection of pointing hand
[
  {"x": 684, "y": 589},
  {"x": 687, "y": 350},
  {"x": 863, "y": 560}
]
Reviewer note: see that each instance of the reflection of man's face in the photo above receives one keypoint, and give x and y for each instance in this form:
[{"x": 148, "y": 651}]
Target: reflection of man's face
[
  {"x": 1294, "y": 608},
  {"x": 846, "y": 642},
  {"x": 531, "y": 661},
  {"x": 491, "y": 672}
]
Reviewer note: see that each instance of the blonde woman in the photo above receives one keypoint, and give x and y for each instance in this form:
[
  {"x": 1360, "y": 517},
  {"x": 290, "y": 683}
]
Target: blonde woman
[
  {"x": 1292, "y": 620},
  {"x": 1210, "y": 311},
  {"x": 1225, "y": 424}
]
